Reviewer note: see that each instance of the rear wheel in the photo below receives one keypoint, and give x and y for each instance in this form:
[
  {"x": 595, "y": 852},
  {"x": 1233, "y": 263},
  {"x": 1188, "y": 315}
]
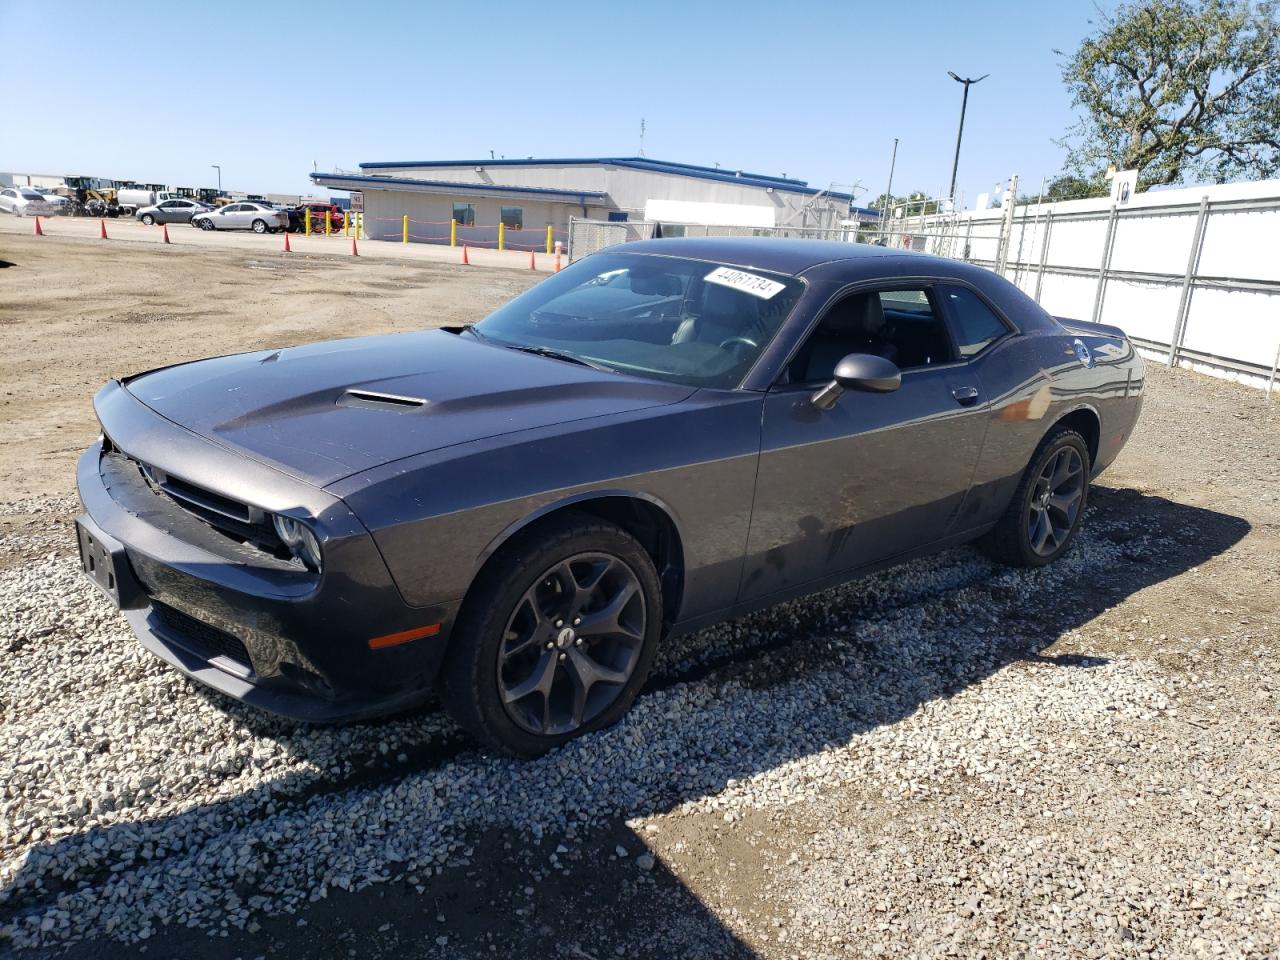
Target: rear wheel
[
  {"x": 148, "y": 219},
  {"x": 556, "y": 637},
  {"x": 259, "y": 226},
  {"x": 1044, "y": 515},
  {"x": 205, "y": 224}
]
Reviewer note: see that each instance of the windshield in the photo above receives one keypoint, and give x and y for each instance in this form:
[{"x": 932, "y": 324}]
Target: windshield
[{"x": 687, "y": 321}]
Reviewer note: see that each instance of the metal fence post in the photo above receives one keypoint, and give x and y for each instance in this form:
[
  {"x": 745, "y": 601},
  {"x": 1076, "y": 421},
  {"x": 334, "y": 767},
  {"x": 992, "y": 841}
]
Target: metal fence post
[
  {"x": 572, "y": 221},
  {"x": 1193, "y": 263},
  {"x": 1107, "y": 246},
  {"x": 1044, "y": 252},
  {"x": 1275, "y": 365}
]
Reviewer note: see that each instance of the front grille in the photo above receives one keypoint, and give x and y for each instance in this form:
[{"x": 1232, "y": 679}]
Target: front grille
[{"x": 203, "y": 638}]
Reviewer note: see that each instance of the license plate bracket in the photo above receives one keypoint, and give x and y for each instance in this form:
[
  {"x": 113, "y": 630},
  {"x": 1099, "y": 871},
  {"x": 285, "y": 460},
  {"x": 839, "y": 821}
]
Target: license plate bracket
[{"x": 105, "y": 563}]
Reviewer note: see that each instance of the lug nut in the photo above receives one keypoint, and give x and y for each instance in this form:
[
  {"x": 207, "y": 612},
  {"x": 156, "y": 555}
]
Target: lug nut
[
  {"x": 562, "y": 656},
  {"x": 579, "y": 642},
  {"x": 559, "y": 623},
  {"x": 577, "y": 620},
  {"x": 550, "y": 644}
]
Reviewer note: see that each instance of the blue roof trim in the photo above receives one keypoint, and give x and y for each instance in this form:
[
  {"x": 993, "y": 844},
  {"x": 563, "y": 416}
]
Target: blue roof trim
[
  {"x": 578, "y": 195},
  {"x": 718, "y": 174}
]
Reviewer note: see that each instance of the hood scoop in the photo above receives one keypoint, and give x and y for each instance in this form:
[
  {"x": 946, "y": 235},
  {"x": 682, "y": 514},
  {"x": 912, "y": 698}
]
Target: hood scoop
[{"x": 378, "y": 400}]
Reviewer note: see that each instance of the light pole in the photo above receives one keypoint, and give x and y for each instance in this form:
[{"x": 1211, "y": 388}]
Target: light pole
[
  {"x": 963, "y": 104},
  {"x": 219, "y": 169},
  {"x": 888, "y": 191}
]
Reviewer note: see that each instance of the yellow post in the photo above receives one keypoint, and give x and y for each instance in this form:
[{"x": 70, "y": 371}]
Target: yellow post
[
  {"x": 502, "y": 236},
  {"x": 328, "y": 222},
  {"x": 346, "y": 225},
  {"x": 306, "y": 216},
  {"x": 405, "y": 234},
  {"x": 453, "y": 233},
  {"x": 548, "y": 238}
]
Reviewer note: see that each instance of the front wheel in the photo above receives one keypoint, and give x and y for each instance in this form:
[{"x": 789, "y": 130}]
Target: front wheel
[
  {"x": 556, "y": 637},
  {"x": 1044, "y": 515}
]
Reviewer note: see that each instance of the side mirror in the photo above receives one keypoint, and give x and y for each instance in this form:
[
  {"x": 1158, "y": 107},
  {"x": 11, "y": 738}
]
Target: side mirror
[{"x": 859, "y": 371}]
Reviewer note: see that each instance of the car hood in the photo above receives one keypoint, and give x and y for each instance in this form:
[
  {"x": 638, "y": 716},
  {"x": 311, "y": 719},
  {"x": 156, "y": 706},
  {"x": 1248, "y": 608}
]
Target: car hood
[{"x": 324, "y": 412}]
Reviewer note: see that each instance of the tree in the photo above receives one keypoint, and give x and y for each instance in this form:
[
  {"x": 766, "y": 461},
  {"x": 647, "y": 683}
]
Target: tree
[{"x": 1178, "y": 89}]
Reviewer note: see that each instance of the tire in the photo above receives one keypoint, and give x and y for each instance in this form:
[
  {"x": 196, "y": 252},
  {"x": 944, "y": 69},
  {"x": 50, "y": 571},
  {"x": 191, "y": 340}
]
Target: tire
[
  {"x": 149, "y": 220},
  {"x": 1044, "y": 515},
  {"x": 205, "y": 224},
  {"x": 259, "y": 226},
  {"x": 484, "y": 671}
]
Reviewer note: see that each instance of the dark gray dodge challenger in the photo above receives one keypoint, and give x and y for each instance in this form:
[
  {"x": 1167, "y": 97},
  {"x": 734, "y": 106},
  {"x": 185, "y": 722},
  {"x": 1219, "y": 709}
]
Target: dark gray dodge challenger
[{"x": 665, "y": 434}]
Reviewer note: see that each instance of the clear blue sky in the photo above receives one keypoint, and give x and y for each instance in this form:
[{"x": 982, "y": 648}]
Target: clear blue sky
[{"x": 159, "y": 91}]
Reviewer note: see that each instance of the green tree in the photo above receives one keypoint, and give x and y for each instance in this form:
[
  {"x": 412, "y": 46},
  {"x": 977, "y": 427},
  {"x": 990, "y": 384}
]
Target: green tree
[{"x": 1178, "y": 89}]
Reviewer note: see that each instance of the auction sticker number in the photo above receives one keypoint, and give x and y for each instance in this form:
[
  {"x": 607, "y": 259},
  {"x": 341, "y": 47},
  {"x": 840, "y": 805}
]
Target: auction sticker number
[{"x": 757, "y": 286}]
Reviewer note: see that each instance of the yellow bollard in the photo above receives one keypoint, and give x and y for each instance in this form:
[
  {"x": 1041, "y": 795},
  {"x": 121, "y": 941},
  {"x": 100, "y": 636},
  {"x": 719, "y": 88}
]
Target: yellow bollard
[
  {"x": 328, "y": 222},
  {"x": 346, "y": 225},
  {"x": 306, "y": 217},
  {"x": 502, "y": 236},
  {"x": 548, "y": 238},
  {"x": 453, "y": 233},
  {"x": 406, "y": 229}
]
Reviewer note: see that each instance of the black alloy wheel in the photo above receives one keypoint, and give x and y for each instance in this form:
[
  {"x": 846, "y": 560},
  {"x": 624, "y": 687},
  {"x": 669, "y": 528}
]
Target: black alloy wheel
[
  {"x": 571, "y": 644},
  {"x": 555, "y": 637},
  {"x": 1044, "y": 513},
  {"x": 1054, "y": 504}
]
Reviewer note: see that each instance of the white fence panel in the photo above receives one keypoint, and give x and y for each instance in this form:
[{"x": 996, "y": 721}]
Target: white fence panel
[{"x": 1234, "y": 324}]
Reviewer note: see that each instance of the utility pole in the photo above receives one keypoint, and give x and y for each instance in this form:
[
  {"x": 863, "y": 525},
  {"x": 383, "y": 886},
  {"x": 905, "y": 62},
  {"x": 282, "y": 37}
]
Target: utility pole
[
  {"x": 964, "y": 103},
  {"x": 219, "y": 169},
  {"x": 642, "y": 138},
  {"x": 888, "y": 191}
]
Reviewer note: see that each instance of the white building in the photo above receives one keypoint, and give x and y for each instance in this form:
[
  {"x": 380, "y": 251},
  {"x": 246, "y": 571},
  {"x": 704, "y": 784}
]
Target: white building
[{"x": 527, "y": 196}]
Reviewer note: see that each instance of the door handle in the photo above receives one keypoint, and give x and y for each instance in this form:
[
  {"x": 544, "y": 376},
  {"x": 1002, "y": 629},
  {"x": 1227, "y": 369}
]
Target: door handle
[{"x": 965, "y": 396}]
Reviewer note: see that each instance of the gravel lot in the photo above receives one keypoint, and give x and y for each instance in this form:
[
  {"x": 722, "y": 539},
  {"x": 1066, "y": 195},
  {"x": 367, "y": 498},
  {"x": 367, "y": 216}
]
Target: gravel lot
[{"x": 946, "y": 759}]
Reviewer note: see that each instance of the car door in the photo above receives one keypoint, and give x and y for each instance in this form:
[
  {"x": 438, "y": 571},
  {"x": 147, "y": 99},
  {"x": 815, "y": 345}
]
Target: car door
[
  {"x": 878, "y": 474},
  {"x": 164, "y": 212},
  {"x": 234, "y": 216}
]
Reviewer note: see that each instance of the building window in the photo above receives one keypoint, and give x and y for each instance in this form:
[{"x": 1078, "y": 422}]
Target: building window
[
  {"x": 513, "y": 218},
  {"x": 465, "y": 214},
  {"x": 618, "y": 216}
]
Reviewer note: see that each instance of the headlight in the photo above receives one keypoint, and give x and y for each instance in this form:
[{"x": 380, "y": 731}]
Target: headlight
[{"x": 302, "y": 543}]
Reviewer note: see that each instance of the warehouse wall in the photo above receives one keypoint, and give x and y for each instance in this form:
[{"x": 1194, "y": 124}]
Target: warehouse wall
[
  {"x": 629, "y": 188},
  {"x": 429, "y": 216}
]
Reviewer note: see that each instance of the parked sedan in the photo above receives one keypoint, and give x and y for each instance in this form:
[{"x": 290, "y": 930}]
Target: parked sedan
[
  {"x": 246, "y": 215},
  {"x": 26, "y": 202},
  {"x": 172, "y": 211},
  {"x": 666, "y": 434}
]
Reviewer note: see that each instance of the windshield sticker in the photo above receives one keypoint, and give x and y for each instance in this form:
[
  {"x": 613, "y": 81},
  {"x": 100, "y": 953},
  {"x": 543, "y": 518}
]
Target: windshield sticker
[{"x": 757, "y": 286}]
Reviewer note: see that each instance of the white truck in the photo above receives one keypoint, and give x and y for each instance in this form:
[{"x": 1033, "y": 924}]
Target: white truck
[{"x": 132, "y": 199}]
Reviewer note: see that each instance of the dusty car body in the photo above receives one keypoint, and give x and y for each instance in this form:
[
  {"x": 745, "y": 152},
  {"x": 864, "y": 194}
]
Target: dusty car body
[{"x": 664, "y": 435}]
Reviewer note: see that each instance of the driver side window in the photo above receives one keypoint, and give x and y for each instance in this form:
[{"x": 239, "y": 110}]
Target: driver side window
[{"x": 900, "y": 324}]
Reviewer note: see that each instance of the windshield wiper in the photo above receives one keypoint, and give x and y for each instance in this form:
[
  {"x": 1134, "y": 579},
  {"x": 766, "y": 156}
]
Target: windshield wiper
[{"x": 558, "y": 355}]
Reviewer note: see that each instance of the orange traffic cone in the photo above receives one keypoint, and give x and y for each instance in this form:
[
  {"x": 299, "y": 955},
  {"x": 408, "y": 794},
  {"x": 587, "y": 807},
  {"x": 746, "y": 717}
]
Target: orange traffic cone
[
  {"x": 102, "y": 229},
  {"x": 466, "y": 262},
  {"x": 532, "y": 263},
  {"x": 355, "y": 251},
  {"x": 39, "y": 232},
  {"x": 165, "y": 235}
]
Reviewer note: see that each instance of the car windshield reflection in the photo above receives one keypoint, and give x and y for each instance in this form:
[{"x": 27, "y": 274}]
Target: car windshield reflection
[{"x": 670, "y": 318}]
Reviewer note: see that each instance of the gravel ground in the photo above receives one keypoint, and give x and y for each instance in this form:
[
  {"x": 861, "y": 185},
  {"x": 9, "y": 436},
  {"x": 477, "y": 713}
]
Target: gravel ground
[{"x": 946, "y": 759}]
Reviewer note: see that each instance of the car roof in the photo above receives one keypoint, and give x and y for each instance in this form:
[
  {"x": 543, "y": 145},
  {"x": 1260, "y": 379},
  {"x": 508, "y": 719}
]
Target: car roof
[{"x": 779, "y": 254}]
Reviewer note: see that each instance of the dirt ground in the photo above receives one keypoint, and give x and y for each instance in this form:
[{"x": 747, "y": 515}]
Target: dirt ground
[{"x": 1143, "y": 820}]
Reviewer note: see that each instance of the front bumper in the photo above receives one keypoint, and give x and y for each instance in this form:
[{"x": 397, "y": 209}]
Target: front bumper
[{"x": 253, "y": 627}]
